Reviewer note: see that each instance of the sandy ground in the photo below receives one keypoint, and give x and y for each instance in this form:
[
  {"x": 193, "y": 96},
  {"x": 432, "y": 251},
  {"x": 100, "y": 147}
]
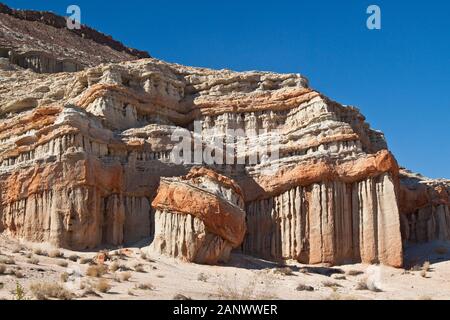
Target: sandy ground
[{"x": 243, "y": 277}]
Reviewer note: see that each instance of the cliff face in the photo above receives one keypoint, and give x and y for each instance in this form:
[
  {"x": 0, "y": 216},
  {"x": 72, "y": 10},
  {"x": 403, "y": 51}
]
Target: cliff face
[
  {"x": 40, "y": 41},
  {"x": 92, "y": 157}
]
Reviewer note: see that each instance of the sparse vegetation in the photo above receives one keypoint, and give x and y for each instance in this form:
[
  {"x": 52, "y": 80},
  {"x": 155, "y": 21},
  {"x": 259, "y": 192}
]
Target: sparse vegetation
[
  {"x": 125, "y": 276},
  {"x": 33, "y": 260},
  {"x": 354, "y": 273},
  {"x": 103, "y": 285},
  {"x": 64, "y": 277},
  {"x": 423, "y": 274},
  {"x": 84, "y": 260},
  {"x": 55, "y": 254},
  {"x": 114, "y": 267},
  {"x": 202, "y": 277},
  {"x": 62, "y": 263},
  {"x": 330, "y": 284},
  {"x": 286, "y": 271},
  {"x": 426, "y": 266},
  {"x": 96, "y": 271},
  {"x": 365, "y": 284},
  {"x": 19, "y": 292},
  {"x": 7, "y": 260},
  {"x": 2, "y": 269},
  {"x": 144, "y": 286},
  {"x": 303, "y": 287},
  {"x": 18, "y": 274},
  {"x": 73, "y": 257},
  {"x": 39, "y": 252},
  {"x": 139, "y": 268},
  {"x": 46, "y": 290}
]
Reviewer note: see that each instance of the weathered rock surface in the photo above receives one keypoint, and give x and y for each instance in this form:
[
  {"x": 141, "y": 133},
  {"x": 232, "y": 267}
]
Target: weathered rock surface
[
  {"x": 40, "y": 41},
  {"x": 199, "y": 217},
  {"x": 87, "y": 159},
  {"x": 425, "y": 208}
]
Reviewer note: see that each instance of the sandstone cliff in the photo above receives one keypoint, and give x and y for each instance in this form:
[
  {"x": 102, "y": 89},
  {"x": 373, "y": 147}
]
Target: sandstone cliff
[{"x": 87, "y": 159}]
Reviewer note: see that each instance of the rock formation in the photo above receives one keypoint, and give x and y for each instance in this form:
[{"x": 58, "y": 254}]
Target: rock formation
[
  {"x": 199, "y": 217},
  {"x": 88, "y": 158}
]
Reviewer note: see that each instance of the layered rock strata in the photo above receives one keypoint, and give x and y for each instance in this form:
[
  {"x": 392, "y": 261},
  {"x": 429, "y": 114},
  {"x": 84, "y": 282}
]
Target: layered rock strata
[
  {"x": 41, "y": 41},
  {"x": 198, "y": 218},
  {"x": 425, "y": 208}
]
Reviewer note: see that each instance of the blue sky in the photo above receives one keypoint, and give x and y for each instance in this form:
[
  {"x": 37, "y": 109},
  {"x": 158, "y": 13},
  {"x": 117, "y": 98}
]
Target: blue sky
[{"x": 398, "y": 76}]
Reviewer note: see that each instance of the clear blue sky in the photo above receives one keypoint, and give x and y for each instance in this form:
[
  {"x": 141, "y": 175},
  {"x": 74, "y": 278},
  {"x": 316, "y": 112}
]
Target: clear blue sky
[{"x": 399, "y": 76}]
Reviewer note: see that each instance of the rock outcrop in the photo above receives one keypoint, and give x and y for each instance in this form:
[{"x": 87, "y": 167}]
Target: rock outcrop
[
  {"x": 199, "y": 218},
  {"x": 272, "y": 168},
  {"x": 41, "y": 41},
  {"x": 425, "y": 208}
]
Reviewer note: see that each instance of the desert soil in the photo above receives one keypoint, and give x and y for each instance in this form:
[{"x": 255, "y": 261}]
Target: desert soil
[{"x": 427, "y": 276}]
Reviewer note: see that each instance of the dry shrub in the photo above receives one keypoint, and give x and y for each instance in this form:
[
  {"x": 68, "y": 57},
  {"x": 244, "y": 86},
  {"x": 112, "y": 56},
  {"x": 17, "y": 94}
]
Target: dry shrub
[
  {"x": 96, "y": 271},
  {"x": 286, "y": 271},
  {"x": 125, "y": 276},
  {"x": 423, "y": 274},
  {"x": 7, "y": 260},
  {"x": 353, "y": 273},
  {"x": 55, "y": 254},
  {"x": 62, "y": 263},
  {"x": 73, "y": 257},
  {"x": 330, "y": 284},
  {"x": 103, "y": 285},
  {"x": 181, "y": 297},
  {"x": 2, "y": 269},
  {"x": 18, "y": 274},
  {"x": 202, "y": 277},
  {"x": 46, "y": 290},
  {"x": 139, "y": 268},
  {"x": 145, "y": 286},
  {"x": 426, "y": 266},
  {"x": 64, "y": 277},
  {"x": 114, "y": 267},
  {"x": 246, "y": 290},
  {"x": 84, "y": 260},
  {"x": 365, "y": 284},
  {"x": 39, "y": 252},
  {"x": 33, "y": 260},
  {"x": 303, "y": 287}
]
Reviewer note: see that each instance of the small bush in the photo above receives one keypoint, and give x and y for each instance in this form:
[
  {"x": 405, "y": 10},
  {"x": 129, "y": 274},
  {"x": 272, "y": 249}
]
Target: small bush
[
  {"x": 353, "y": 273},
  {"x": 103, "y": 285},
  {"x": 364, "y": 284},
  {"x": 39, "y": 252},
  {"x": 84, "y": 260},
  {"x": 55, "y": 254},
  {"x": 286, "y": 271},
  {"x": 7, "y": 260},
  {"x": 64, "y": 277},
  {"x": 202, "y": 277},
  {"x": 145, "y": 286},
  {"x": 302, "y": 287},
  {"x": 44, "y": 290},
  {"x": 125, "y": 276},
  {"x": 33, "y": 260},
  {"x": 18, "y": 274},
  {"x": 62, "y": 263},
  {"x": 73, "y": 257},
  {"x": 331, "y": 284},
  {"x": 426, "y": 266},
  {"x": 17, "y": 249},
  {"x": 423, "y": 274},
  {"x": 114, "y": 267},
  {"x": 2, "y": 269},
  {"x": 96, "y": 271}
]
